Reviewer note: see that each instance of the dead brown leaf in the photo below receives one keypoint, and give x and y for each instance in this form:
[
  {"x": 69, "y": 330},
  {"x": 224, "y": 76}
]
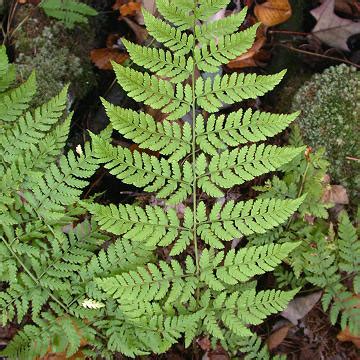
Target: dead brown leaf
[
  {"x": 278, "y": 336},
  {"x": 300, "y": 306},
  {"x": 346, "y": 335},
  {"x": 332, "y": 29},
  {"x": 129, "y": 9},
  {"x": 335, "y": 194},
  {"x": 140, "y": 32},
  {"x": 273, "y": 12},
  {"x": 102, "y": 57}
]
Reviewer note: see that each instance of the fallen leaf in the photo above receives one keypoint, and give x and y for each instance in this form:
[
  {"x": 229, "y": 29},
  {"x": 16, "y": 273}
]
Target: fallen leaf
[
  {"x": 102, "y": 57},
  {"x": 130, "y": 9},
  {"x": 345, "y": 335},
  {"x": 277, "y": 337},
  {"x": 273, "y": 12},
  {"x": 118, "y": 3},
  {"x": 335, "y": 194},
  {"x": 247, "y": 59},
  {"x": 204, "y": 343},
  {"x": 140, "y": 32},
  {"x": 332, "y": 29},
  {"x": 300, "y": 306}
]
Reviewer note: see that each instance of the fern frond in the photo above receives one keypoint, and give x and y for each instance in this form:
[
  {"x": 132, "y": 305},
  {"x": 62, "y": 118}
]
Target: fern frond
[
  {"x": 151, "y": 283},
  {"x": 223, "y": 49},
  {"x": 178, "y": 42},
  {"x": 163, "y": 63},
  {"x": 143, "y": 170},
  {"x": 238, "y": 128},
  {"x": 208, "y": 8},
  {"x": 251, "y": 308},
  {"x": 60, "y": 185},
  {"x": 234, "y": 167},
  {"x": 234, "y": 220},
  {"x": 7, "y": 71},
  {"x": 169, "y": 138},
  {"x": 157, "y": 93},
  {"x": 349, "y": 246},
  {"x": 219, "y": 28},
  {"x": 177, "y": 13},
  {"x": 35, "y": 340},
  {"x": 242, "y": 265},
  {"x": 15, "y": 102},
  {"x": 31, "y": 129},
  {"x": 70, "y": 12},
  {"x": 211, "y": 94},
  {"x": 152, "y": 225}
]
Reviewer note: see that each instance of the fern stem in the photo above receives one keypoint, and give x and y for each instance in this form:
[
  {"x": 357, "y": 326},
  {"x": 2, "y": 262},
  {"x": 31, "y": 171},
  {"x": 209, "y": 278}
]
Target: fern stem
[{"x": 193, "y": 151}]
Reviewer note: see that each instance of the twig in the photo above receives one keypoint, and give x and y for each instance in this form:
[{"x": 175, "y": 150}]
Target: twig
[
  {"x": 319, "y": 55},
  {"x": 352, "y": 158}
]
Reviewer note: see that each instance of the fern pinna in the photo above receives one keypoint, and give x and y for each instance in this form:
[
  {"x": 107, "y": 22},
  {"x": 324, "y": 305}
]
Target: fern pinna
[{"x": 204, "y": 285}]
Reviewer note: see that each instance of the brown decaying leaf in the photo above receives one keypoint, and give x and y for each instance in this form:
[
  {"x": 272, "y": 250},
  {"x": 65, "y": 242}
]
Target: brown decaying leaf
[
  {"x": 140, "y": 32},
  {"x": 102, "y": 57},
  {"x": 248, "y": 59},
  {"x": 277, "y": 337},
  {"x": 332, "y": 29},
  {"x": 335, "y": 194},
  {"x": 300, "y": 306},
  {"x": 346, "y": 335},
  {"x": 273, "y": 12},
  {"x": 129, "y": 9}
]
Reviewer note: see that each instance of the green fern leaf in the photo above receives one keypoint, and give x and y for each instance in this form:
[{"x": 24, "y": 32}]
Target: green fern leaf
[
  {"x": 211, "y": 94},
  {"x": 151, "y": 283},
  {"x": 7, "y": 71},
  {"x": 242, "y": 265},
  {"x": 31, "y": 129},
  {"x": 208, "y": 8},
  {"x": 251, "y": 308},
  {"x": 222, "y": 50},
  {"x": 219, "y": 28},
  {"x": 238, "y": 128},
  {"x": 60, "y": 186},
  {"x": 14, "y": 103},
  {"x": 157, "y": 93},
  {"x": 163, "y": 63},
  {"x": 177, "y": 13},
  {"x": 349, "y": 246},
  {"x": 231, "y": 220},
  {"x": 234, "y": 167},
  {"x": 178, "y": 42},
  {"x": 70, "y": 12},
  {"x": 143, "y": 170},
  {"x": 152, "y": 225},
  {"x": 169, "y": 138}
]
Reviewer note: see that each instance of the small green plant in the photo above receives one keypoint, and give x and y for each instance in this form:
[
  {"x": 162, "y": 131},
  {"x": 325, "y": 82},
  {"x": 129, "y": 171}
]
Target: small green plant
[
  {"x": 40, "y": 190},
  {"x": 330, "y": 118},
  {"x": 69, "y": 12},
  {"x": 323, "y": 259},
  {"x": 203, "y": 286}
]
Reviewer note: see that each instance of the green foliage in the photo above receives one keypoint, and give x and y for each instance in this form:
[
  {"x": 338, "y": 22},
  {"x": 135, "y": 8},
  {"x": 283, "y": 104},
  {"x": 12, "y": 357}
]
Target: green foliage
[
  {"x": 42, "y": 252},
  {"x": 70, "y": 12},
  {"x": 151, "y": 304},
  {"x": 329, "y": 119}
]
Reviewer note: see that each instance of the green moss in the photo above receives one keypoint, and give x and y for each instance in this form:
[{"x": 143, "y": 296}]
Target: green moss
[
  {"x": 330, "y": 105},
  {"x": 58, "y": 55}
]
